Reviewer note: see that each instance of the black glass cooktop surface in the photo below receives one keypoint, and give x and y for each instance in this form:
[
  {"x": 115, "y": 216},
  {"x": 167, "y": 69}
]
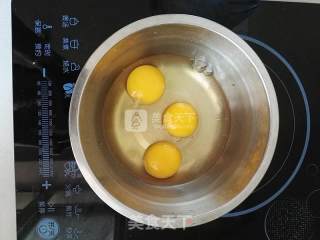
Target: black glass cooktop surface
[{"x": 51, "y": 42}]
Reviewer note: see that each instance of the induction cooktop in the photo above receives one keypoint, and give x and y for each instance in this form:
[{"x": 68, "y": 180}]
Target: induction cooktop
[{"x": 51, "y": 42}]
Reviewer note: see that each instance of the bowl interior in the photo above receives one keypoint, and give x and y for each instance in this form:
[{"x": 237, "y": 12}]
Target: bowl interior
[{"x": 234, "y": 119}]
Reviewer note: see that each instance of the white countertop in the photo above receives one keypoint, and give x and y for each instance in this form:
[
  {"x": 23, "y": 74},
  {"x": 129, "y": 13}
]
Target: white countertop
[{"x": 7, "y": 184}]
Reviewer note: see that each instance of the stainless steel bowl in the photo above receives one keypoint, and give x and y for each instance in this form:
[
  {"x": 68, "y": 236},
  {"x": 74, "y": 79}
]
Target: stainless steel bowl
[{"x": 228, "y": 155}]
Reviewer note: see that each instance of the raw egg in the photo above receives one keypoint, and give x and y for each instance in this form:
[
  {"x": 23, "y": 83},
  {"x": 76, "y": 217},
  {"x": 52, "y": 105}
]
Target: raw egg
[
  {"x": 146, "y": 84},
  {"x": 180, "y": 119},
  {"x": 162, "y": 159}
]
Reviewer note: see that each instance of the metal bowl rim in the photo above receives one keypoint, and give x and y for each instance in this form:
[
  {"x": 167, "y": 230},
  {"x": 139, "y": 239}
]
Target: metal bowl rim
[{"x": 122, "y": 34}]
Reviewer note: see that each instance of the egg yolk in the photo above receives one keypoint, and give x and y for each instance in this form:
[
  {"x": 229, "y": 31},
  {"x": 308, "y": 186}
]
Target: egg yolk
[
  {"x": 180, "y": 119},
  {"x": 146, "y": 84},
  {"x": 162, "y": 159}
]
